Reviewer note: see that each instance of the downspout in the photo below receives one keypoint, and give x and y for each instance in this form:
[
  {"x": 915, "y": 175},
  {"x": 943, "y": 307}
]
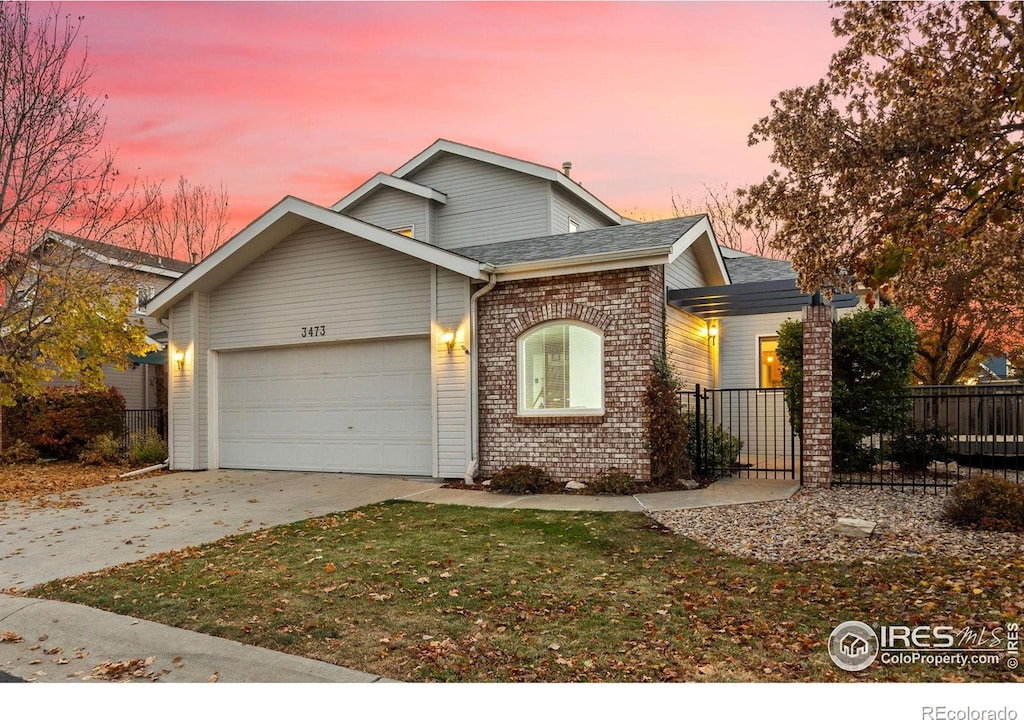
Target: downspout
[{"x": 473, "y": 469}]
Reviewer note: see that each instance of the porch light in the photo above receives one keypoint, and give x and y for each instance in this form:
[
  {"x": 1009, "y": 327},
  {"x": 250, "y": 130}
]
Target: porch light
[
  {"x": 711, "y": 331},
  {"x": 448, "y": 338},
  {"x": 179, "y": 357}
]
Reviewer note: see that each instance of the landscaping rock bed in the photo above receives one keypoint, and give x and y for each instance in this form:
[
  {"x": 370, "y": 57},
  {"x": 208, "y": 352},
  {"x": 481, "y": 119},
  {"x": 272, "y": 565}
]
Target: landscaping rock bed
[{"x": 798, "y": 529}]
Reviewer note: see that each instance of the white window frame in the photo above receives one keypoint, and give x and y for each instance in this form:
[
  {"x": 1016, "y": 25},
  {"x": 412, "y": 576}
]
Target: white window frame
[
  {"x": 573, "y": 225},
  {"x": 757, "y": 353},
  {"x": 521, "y": 369},
  {"x": 403, "y": 229}
]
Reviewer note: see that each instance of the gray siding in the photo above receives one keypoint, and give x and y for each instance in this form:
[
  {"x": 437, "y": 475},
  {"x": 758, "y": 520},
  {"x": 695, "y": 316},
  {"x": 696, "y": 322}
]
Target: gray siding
[
  {"x": 319, "y": 276},
  {"x": 565, "y": 206},
  {"x": 391, "y": 209},
  {"x": 684, "y": 272},
  {"x": 200, "y": 395},
  {"x": 131, "y": 382},
  {"x": 453, "y": 432},
  {"x": 688, "y": 351},
  {"x": 738, "y": 339},
  {"x": 486, "y": 204},
  {"x": 179, "y": 386}
]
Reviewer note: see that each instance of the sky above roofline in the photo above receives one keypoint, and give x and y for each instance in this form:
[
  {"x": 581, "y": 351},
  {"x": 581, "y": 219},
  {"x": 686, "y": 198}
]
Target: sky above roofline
[{"x": 312, "y": 99}]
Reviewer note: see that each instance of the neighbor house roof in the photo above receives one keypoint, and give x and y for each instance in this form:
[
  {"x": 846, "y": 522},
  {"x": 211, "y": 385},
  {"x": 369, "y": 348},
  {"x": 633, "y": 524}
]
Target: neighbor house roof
[
  {"x": 442, "y": 146},
  {"x": 117, "y": 255}
]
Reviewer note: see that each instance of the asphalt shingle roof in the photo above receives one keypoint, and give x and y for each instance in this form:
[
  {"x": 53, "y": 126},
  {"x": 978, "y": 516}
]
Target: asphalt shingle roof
[
  {"x": 758, "y": 269},
  {"x": 618, "y": 238}
]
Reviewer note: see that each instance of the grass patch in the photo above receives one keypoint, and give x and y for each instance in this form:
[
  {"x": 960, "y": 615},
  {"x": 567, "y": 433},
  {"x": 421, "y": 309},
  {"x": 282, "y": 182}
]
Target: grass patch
[{"x": 448, "y": 593}]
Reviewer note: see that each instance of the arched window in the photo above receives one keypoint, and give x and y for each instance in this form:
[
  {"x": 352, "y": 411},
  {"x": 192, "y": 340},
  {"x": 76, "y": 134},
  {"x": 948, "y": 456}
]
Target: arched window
[{"x": 561, "y": 370}]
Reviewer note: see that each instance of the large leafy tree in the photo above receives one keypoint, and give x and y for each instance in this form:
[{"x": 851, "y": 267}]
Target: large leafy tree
[
  {"x": 903, "y": 168},
  {"x": 61, "y": 312}
]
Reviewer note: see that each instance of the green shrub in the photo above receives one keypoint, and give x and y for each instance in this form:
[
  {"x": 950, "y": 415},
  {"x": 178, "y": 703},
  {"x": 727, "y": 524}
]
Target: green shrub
[
  {"x": 60, "y": 421},
  {"x": 987, "y": 502},
  {"x": 914, "y": 450},
  {"x": 522, "y": 480},
  {"x": 612, "y": 482},
  {"x": 664, "y": 426},
  {"x": 147, "y": 447},
  {"x": 713, "y": 450},
  {"x": 19, "y": 452},
  {"x": 101, "y": 450}
]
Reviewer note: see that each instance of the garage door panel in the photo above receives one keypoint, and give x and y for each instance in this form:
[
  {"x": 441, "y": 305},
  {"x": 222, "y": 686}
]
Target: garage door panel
[{"x": 362, "y": 407}]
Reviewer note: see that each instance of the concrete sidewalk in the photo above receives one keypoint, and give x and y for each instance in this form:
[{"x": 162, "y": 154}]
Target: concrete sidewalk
[
  {"x": 62, "y": 642},
  {"x": 128, "y": 521}
]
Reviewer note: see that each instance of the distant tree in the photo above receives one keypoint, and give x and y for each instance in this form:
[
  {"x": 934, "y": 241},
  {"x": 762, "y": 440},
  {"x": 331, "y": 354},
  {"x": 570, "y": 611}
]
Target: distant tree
[
  {"x": 736, "y": 227},
  {"x": 189, "y": 225},
  {"x": 905, "y": 162},
  {"x": 61, "y": 313}
]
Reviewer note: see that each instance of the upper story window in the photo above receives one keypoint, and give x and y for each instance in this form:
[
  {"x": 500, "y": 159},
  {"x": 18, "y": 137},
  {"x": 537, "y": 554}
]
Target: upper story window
[
  {"x": 408, "y": 230},
  {"x": 770, "y": 374},
  {"x": 561, "y": 370},
  {"x": 573, "y": 226}
]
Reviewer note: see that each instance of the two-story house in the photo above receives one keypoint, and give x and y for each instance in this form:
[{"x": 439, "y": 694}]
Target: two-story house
[{"x": 466, "y": 312}]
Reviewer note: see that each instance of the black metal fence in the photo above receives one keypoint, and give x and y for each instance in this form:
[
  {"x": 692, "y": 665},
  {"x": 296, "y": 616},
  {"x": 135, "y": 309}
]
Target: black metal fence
[
  {"x": 740, "y": 431},
  {"x": 136, "y": 422},
  {"x": 938, "y": 435}
]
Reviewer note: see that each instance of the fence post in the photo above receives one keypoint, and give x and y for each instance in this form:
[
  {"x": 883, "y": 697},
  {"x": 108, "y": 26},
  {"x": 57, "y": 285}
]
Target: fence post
[
  {"x": 696, "y": 429},
  {"x": 816, "y": 440}
]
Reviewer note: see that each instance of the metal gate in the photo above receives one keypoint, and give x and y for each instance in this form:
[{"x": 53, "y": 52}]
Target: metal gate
[{"x": 741, "y": 431}]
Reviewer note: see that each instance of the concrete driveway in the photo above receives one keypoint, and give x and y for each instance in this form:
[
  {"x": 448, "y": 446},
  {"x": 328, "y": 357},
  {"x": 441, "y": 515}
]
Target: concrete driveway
[{"x": 127, "y": 521}]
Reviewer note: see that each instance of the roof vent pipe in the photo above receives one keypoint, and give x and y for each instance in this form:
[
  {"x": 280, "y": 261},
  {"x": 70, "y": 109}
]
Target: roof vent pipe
[{"x": 567, "y": 168}]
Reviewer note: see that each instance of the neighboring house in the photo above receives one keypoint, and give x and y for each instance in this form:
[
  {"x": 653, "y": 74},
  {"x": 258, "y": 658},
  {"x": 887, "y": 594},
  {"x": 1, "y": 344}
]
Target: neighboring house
[
  {"x": 467, "y": 312},
  {"x": 143, "y": 381}
]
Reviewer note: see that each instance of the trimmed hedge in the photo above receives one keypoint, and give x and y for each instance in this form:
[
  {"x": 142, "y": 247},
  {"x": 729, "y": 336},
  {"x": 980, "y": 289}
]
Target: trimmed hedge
[{"x": 61, "y": 421}]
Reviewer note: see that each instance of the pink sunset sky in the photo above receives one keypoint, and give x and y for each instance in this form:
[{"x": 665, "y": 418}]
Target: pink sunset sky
[{"x": 311, "y": 99}]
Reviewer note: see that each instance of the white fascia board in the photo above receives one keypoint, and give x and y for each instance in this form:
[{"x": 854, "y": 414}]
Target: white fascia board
[
  {"x": 583, "y": 264},
  {"x": 509, "y": 163},
  {"x": 701, "y": 237},
  {"x": 282, "y": 220},
  {"x": 384, "y": 180},
  {"x": 100, "y": 257}
]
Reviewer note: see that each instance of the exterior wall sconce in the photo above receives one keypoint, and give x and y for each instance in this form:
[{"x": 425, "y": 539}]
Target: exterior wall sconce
[
  {"x": 710, "y": 332},
  {"x": 179, "y": 357},
  {"x": 448, "y": 338}
]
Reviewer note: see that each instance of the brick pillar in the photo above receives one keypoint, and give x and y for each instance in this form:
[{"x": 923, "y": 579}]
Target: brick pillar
[{"x": 816, "y": 439}]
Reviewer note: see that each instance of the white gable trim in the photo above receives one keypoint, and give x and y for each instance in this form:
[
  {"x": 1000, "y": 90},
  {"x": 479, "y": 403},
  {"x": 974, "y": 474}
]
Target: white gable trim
[
  {"x": 384, "y": 180},
  {"x": 701, "y": 237},
  {"x": 509, "y": 163},
  {"x": 278, "y": 223}
]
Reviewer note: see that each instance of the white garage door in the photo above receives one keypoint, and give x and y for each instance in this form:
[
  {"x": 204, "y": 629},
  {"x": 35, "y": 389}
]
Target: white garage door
[{"x": 356, "y": 407}]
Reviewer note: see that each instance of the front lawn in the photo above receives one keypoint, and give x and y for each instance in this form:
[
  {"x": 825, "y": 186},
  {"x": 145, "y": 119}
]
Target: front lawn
[{"x": 447, "y": 593}]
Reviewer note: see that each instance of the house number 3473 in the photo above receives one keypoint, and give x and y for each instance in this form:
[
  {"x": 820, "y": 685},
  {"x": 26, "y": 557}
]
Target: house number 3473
[{"x": 314, "y": 331}]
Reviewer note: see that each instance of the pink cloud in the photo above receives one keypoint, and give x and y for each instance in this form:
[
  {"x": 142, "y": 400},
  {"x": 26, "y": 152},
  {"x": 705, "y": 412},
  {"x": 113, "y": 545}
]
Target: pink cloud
[{"x": 310, "y": 99}]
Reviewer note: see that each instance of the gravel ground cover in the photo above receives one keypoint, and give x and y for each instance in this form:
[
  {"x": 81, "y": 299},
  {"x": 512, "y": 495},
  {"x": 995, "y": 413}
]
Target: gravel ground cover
[{"x": 798, "y": 529}]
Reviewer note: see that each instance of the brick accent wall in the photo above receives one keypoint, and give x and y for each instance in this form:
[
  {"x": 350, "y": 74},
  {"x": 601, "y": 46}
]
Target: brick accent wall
[
  {"x": 816, "y": 441},
  {"x": 626, "y": 306}
]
